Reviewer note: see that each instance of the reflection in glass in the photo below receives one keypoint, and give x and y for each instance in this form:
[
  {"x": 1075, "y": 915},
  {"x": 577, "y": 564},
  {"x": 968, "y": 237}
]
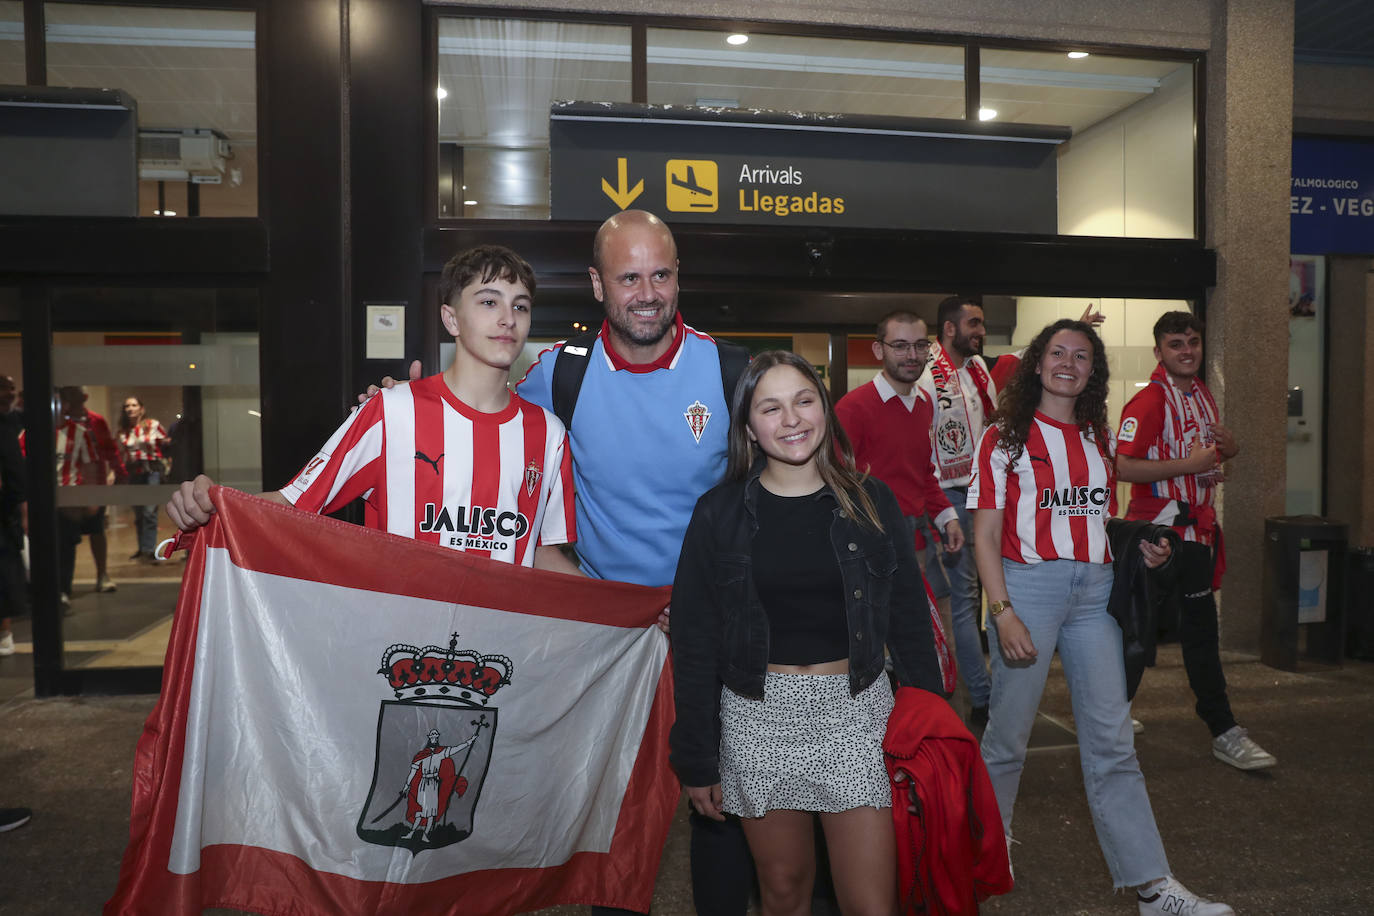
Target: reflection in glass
[
  {"x": 12, "y": 43},
  {"x": 1128, "y": 169},
  {"x": 794, "y": 73},
  {"x": 499, "y": 77},
  {"x": 192, "y": 73},
  {"x": 154, "y": 386}
]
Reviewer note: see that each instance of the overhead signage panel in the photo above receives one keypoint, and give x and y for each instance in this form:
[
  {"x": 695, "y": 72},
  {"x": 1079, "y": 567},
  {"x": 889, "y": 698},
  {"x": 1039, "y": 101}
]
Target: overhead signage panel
[
  {"x": 1331, "y": 205},
  {"x": 770, "y": 168}
]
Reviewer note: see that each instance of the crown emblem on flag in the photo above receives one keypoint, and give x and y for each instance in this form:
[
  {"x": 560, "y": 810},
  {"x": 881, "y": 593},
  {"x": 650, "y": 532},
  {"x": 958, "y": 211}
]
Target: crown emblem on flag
[
  {"x": 437, "y": 673},
  {"x": 697, "y": 417}
]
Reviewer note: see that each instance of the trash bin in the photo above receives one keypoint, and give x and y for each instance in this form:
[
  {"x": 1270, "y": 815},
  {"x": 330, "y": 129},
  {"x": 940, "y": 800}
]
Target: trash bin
[
  {"x": 1304, "y": 591},
  {"x": 1359, "y": 611}
]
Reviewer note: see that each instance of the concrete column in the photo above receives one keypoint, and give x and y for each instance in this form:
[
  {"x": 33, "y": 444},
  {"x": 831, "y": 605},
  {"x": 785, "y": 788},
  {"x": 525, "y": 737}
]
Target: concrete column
[
  {"x": 1249, "y": 163},
  {"x": 1350, "y": 424}
]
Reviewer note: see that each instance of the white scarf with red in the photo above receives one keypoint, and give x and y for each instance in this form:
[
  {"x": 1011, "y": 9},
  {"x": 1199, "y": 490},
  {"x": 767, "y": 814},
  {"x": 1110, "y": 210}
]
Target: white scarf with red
[{"x": 955, "y": 438}]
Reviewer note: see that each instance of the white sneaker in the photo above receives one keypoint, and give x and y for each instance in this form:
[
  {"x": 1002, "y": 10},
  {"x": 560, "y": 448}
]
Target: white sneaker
[
  {"x": 105, "y": 584},
  {"x": 1235, "y": 747},
  {"x": 7, "y": 643},
  {"x": 1137, "y": 726},
  {"x": 1171, "y": 897},
  {"x": 1011, "y": 871}
]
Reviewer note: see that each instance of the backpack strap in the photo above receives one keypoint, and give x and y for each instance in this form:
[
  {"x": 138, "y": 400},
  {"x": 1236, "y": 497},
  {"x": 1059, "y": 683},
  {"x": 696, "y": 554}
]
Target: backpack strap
[
  {"x": 733, "y": 361},
  {"x": 569, "y": 368}
]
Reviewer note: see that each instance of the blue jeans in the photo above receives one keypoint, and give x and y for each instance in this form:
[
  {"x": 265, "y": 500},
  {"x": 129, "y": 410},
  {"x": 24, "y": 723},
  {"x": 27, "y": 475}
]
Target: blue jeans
[
  {"x": 145, "y": 517},
  {"x": 960, "y": 582},
  {"x": 1063, "y": 604}
]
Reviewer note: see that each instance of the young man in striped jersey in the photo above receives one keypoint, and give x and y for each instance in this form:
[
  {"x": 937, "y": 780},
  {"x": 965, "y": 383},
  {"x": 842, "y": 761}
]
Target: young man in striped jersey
[
  {"x": 1170, "y": 448},
  {"x": 454, "y": 459}
]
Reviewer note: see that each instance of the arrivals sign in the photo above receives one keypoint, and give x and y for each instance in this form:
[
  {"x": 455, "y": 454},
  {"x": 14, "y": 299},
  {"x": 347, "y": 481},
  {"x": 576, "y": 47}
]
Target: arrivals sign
[
  {"x": 1331, "y": 205},
  {"x": 792, "y": 169}
]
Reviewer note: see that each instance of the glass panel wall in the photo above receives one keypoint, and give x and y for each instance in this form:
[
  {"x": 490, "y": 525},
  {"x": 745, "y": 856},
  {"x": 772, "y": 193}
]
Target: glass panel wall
[
  {"x": 497, "y": 78},
  {"x": 16, "y": 670},
  {"x": 1128, "y": 170},
  {"x": 192, "y": 74},
  {"x": 151, "y": 388},
  {"x": 12, "y": 43},
  {"x": 795, "y": 73}
]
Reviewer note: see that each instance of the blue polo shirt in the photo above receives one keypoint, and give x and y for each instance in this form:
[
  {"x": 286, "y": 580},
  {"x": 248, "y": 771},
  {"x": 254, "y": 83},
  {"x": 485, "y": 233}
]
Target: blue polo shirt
[{"x": 647, "y": 441}]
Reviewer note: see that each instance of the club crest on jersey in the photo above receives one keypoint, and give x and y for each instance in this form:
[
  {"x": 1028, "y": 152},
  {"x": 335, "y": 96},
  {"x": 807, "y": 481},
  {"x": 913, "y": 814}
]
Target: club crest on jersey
[
  {"x": 698, "y": 415},
  {"x": 1128, "y": 428},
  {"x": 532, "y": 475},
  {"x": 434, "y": 743}
]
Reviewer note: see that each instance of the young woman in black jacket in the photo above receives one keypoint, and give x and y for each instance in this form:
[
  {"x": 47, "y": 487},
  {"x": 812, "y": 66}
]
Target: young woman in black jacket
[{"x": 796, "y": 571}]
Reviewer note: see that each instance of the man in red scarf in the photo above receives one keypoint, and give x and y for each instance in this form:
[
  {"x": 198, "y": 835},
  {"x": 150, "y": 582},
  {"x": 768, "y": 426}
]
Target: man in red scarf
[{"x": 1170, "y": 448}]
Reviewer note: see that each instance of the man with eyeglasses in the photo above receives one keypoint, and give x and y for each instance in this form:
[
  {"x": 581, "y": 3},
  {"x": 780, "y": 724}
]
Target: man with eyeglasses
[
  {"x": 962, "y": 390},
  {"x": 888, "y": 421}
]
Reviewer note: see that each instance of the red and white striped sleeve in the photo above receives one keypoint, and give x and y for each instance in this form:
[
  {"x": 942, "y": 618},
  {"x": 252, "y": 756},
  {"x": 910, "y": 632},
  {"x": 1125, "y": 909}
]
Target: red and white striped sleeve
[
  {"x": 350, "y": 465},
  {"x": 988, "y": 487},
  {"x": 560, "y": 523}
]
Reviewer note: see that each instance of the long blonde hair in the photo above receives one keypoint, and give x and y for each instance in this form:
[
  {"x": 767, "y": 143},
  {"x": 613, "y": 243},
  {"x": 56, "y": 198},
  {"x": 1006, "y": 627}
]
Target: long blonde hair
[{"x": 834, "y": 455}]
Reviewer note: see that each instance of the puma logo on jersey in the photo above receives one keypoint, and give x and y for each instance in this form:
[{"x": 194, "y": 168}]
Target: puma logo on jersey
[
  {"x": 1038, "y": 458},
  {"x": 434, "y": 462}
]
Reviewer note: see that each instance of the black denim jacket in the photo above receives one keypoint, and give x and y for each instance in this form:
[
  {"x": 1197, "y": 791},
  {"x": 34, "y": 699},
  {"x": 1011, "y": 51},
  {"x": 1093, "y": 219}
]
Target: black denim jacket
[{"x": 720, "y": 629}]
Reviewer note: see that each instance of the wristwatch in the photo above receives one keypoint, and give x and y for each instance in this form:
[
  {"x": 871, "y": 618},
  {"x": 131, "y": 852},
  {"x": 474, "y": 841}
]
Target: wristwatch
[{"x": 997, "y": 607}]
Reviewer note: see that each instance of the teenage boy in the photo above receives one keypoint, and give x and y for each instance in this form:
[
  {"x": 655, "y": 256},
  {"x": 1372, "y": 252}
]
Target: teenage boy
[
  {"x": 1170, "y": 449},
  {"x": 455, "y": 459}
]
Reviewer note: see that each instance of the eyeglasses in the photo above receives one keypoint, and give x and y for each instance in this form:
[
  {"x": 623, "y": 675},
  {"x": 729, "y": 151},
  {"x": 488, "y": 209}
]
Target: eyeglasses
[{"x": 918, "y": 347}]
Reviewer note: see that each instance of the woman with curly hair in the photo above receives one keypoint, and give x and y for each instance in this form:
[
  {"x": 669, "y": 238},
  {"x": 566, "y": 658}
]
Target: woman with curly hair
[
  {"x": 795, "y": 573},
  {"x": 1043, "y": 489}
]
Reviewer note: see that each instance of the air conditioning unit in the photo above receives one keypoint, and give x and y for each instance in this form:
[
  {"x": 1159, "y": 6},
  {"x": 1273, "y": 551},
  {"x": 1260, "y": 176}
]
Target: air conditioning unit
[{"x": 197, "y": 155}]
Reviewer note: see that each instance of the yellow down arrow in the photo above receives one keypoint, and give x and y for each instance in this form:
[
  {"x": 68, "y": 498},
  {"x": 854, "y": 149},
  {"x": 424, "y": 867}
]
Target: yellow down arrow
[{"x": 622, "y": 196}]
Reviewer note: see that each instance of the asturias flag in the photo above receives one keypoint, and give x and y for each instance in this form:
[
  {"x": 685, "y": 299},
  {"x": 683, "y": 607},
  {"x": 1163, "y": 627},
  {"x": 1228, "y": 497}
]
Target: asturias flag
[{"x": 354, "y": 723}]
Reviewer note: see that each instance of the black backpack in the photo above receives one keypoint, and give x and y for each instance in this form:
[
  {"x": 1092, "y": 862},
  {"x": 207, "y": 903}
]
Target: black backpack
[{"x": 570, "y": 366}]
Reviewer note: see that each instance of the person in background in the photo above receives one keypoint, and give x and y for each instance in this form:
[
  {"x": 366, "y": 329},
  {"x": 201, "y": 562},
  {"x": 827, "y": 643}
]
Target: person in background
[
  {"x": 1041, "y": 494},
  {"x": 961, "y": 389},
  {"x": 143, "y": 443},
  {"x": 13, "y": 517},
  {"x": 795, "y": 573},
  {"x": 86, "y": 456}
]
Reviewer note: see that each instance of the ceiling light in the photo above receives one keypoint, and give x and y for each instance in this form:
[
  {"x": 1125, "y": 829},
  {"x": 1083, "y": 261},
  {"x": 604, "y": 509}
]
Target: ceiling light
[
  {"x": 1077, "y": 55},
  {"x": 987, "y": 114},
  {"x": 738, "y": 38},
  {"x": 164, "y": 213},
  {"x": 441, "y": 93},
  {"x": 469, "y": 203}
]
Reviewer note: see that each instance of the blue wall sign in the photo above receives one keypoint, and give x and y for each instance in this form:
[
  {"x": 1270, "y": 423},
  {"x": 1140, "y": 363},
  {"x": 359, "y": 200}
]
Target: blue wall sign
[{"x": 1332, "y": 203}]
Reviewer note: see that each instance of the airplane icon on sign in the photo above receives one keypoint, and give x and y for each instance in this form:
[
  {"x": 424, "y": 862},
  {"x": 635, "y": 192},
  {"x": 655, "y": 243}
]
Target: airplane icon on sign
[
  {"x": 690, "y": 183},
  {"x": 686, "y": 191}
]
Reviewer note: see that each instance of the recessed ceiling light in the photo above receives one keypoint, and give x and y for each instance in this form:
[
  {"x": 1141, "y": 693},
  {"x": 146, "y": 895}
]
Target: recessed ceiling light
[
  {"x": 1077, "y": 55},
  {"x": 987, "y": 114},
  {"x": 441, "y": 93},
  {"x": 469, "y": 203},
  {"x": 164, "y": 213},
  {"x": 738, "y": 38}
]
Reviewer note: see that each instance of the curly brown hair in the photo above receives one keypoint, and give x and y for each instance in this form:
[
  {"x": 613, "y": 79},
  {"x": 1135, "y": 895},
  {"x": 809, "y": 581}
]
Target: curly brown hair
[{"x": 1017, "y": 403}]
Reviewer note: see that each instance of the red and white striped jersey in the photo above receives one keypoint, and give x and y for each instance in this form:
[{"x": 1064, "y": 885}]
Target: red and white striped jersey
[
  {"x": 86, "y": 452},
  {"x": 143, "y": 443},
  {"x": 433, "y": 469},
  {"x": 1056, "y": 498},
  {"x": 1160, "y": 424}
]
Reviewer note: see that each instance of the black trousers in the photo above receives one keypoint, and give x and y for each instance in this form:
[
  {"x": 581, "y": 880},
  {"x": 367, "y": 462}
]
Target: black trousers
[
  {"x": 722, "y": 869},
  {"x": 1197, "y": 634}
]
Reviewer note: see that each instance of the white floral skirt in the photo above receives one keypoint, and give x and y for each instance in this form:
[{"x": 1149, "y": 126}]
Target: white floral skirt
[{"x": 806, "y": 746}]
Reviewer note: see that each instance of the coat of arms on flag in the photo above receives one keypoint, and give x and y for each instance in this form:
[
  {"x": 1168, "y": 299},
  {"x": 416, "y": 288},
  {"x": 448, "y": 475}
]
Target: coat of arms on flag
[
  {"x": 441, "y": 707},
  {"x": 282, "y": 771}
]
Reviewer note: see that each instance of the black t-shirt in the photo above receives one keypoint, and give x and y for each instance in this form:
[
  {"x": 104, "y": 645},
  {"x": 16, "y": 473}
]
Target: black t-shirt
[{"x": 798, "y": 579}]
